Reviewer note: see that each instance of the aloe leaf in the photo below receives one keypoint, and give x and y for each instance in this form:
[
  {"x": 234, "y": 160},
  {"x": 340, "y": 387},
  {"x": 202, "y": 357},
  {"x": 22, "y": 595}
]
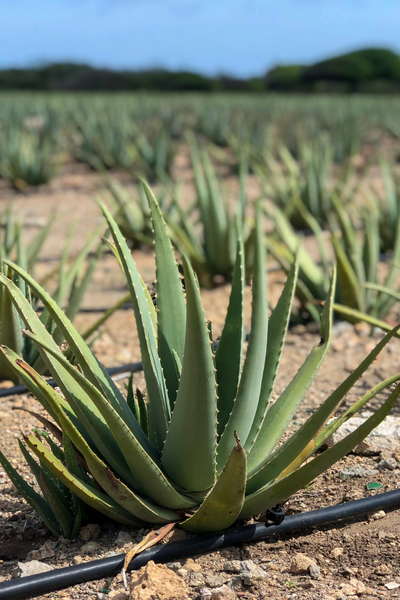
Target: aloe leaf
[
  {"x": 228, "y": 357},
  {"x": 348, "y": 283},
  {"x": 223, "y": 504},
  {"x": 148, "y": 477},
  {"x": 62, "y": 515},
  {"x": 158, "y": 401},
  {"x": 36, "y": 244},
  {"x": 139, "y": 507},
  {"x": 170, "y": 300},
  {"x": 83, "y": 355},
  {"x": 283, "y": 456},
  {"x": 189, "y": 451},
  {"x": 245, "y": 405},
  {"x": 272, "y": 495},
  {"x": 90, "y": 366},
  {"x": 31, "y": 496},
  {"x": 277, "y": 328},
  {"x": 87, "y": 493},
  {"x": 282, "y": 411},
  {"x": 142, "y": 410},
  {"x": 10, "y": 332},
  {"x": 354, "y": 315}
]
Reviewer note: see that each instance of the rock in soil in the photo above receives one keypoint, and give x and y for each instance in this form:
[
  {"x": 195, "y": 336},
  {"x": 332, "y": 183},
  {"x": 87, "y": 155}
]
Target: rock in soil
[
  {"x": 157, "y": 582},
  {"x": 33, "y": 567}
]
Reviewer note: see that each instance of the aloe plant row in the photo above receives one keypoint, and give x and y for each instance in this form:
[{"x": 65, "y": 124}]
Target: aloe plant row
[{"x": 203, "y": 446}]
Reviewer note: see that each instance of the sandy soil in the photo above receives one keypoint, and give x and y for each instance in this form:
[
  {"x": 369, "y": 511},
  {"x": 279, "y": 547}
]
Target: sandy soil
[{"x": 356, "y": 559}]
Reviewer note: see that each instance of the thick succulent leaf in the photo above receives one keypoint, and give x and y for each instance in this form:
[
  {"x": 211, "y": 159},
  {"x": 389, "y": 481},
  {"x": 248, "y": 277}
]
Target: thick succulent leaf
[
  {"x": 271, "y": 495},
  {"x": 31, "y": 496},
  {"x": 282, "y": 411},
  {"x": 61, "y": 513},
  {"x": 170, "y": 299},
  {"x": 305, "y": 436},
  {"x": 277, "y": 329},
  {"x": 370, "y": 253},
  {"x": 348, "y": 290},
  {"x": 10, "y": 333},
  {"x": 228, "y": 356},
  {"x": 87, "y": 493},
  {"x": 91, "y": 423},
  {"x": 80, "y": 284},
  {"x": 158, "y": 401},
  {"x": 189, "y": 452},
  {"x": 354, "y": 315},
  {"x": 90, "y": 366},
  {"x": 222, "y": 506},
  {"x": 36, "y": 245},
  {"x": 149, "y": 478},
  {"x": 246, "y": 402},
  {"x": 139, "y": 507}
]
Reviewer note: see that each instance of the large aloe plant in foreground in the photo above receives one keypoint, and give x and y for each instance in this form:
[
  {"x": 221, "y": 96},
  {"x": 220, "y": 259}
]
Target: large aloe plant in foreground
[{"x": 204, "y": 445}]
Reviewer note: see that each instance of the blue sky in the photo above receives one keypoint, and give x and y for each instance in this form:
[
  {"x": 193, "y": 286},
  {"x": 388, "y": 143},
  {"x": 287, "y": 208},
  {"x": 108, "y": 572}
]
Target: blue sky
[{"x": 240, "y": 37}]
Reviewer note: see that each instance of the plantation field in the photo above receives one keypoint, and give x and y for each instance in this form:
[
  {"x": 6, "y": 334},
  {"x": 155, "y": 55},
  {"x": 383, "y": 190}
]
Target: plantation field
[{"x": 325, "y": 172}]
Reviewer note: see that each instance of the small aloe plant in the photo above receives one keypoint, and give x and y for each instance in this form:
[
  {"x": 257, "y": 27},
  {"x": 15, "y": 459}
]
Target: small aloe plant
[{"x": 204, "y": 445}]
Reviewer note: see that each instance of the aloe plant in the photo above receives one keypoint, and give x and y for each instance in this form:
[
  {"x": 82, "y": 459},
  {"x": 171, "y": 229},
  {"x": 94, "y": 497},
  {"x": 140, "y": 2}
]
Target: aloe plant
[
  {"x": 203, "y": 446},
  {"x": 360, "y": 293},
  {"x": 61, "y": 510},
  {"x": 212, "y": 253},
  {"x": 73, "y": 280},
  {"x": 27, "y": 157},
  {"x": 309, "y": 180}
]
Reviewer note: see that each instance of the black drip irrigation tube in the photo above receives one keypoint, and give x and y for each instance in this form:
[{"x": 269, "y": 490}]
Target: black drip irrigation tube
[{"x": 109, "y": 567}]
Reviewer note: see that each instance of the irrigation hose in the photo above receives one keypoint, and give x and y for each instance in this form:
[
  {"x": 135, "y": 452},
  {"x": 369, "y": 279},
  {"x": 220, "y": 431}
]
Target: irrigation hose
[{"x": 108, "y": 567}]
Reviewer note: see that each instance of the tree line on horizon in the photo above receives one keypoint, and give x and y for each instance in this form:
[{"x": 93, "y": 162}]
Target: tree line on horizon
[{"x": 371, "y": 70}]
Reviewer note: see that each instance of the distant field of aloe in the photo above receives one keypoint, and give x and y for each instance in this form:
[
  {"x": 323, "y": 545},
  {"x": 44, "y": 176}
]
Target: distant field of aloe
[{"x": 140, "y": 132}]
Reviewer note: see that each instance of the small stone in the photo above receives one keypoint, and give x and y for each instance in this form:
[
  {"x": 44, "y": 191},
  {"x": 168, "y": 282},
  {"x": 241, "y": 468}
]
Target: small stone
[
  {"x": 192, "y": 567},
  {"x": 78, "y": 560},
  {"x": 336, "y": 552},
  {"x": 224, "y": 592},
  {"x": 195, "y": 579},
  {"x": 315, "y": 571},
  {"x": 383, "y": 569},
  {"x": 301, "y": 563},
  {"x": 388, "y": 463},
  {"x": 118, "y": 595},
  {"x": 232, "y": 566},
  {"x": 181, "y": 572},
  {"x": 45, "y": 551},
  {"x": 124, "y": 538},
  {"x": 158, "y": 583},
  {"x": 173, "y": 565},
  {"x": 214, "y": 581},
  {"x": 250, "y": 572},
  {"x": 90, "y": 548},
  {"x": 348, "y": 590},
  {"x": 33, "y": 567},
  {"x": 89, "y": 532},
  {"x": 356, "y": 471},
  {"x": 380, "y": 514},
  {"x": 392, "y": 585}
]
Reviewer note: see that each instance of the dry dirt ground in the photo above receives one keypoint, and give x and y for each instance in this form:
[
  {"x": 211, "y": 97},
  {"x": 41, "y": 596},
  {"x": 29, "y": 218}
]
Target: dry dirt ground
[{"x": 356, "y": 559}]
